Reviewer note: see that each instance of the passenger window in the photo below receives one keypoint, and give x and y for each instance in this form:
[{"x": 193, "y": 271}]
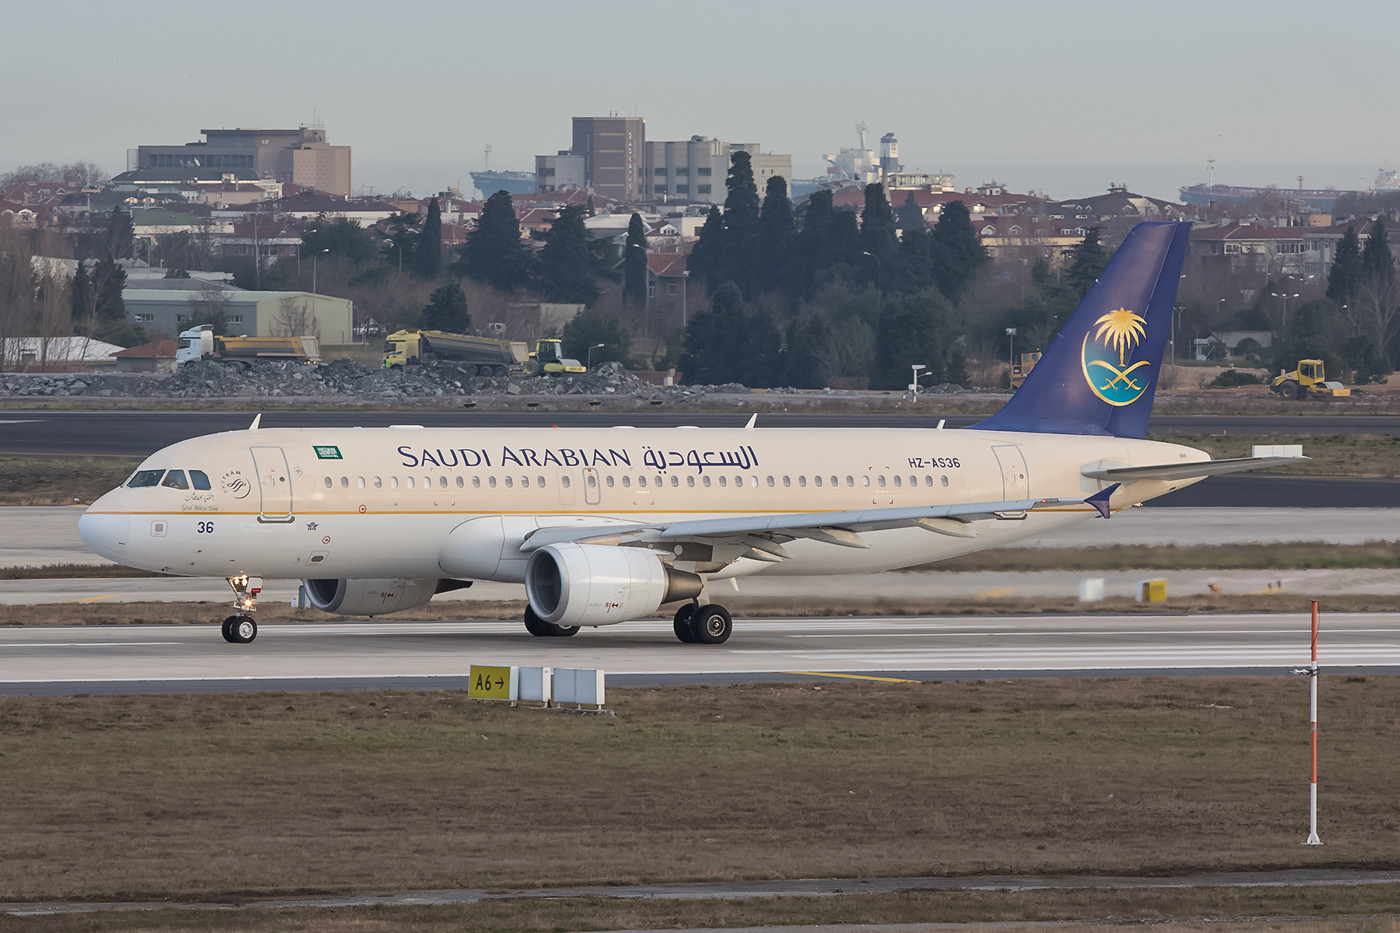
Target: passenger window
[
  {"x": 627, "y": 482},
  {"x": 850, "y": 480},
  {"x": 409, "y": 482},
  {"x": 865, "y": 480},
  {"x": 329, "y": 482},
  {"x": 442, "y": 481},
  {"x": 566, "y": 482},
  {"x": 898, "y": 481},
  {"x": 690, "y": 481},
  {"x": 739, "y": 482},
  {"x": 802, "y": 481},
  {"x": 913, "y": 481},
  {"x": 461, "y": 482},
  {"x": 770, "y": 482},
  {"x": 705, "y": 481},
  {"x": 345, "y": 482},
  {"x": 524, "y": 482},
  {"x": 944, "y": 479},
  {"x": 476, "y": 482},
  {"x": 880, "y": 481},
  {"x": 427, "y": 482},
  {"x": 510, "y": 482},
  {"x": 199, "y": 479},
  {"x": 539, "y": 481},
  {"x": 675, "y": 481},
  {"x": 393, "y": 482},
  {"x": 378, "y": 483},
  {"x": 722, "y": 481},
  {"x": 835, "y": 481},
  {"x": 492, "y": 482},
  {"x": 642, "y": 482},
  {"x": 360, "y": 482},
  {"x": 787, "y": 480},
  {"x": 611, "y": 481},
  {"x": 817, "y": 480},
  {"x": 753, "y": 481},
  {"x": 928, "y": 480},
  {"x": 175, "y": 479},
  {"x": 143, "y": 478}
]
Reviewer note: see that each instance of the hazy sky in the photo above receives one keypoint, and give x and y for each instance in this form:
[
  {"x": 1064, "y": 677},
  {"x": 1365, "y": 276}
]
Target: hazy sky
[{"x": 1061, "y": 97}]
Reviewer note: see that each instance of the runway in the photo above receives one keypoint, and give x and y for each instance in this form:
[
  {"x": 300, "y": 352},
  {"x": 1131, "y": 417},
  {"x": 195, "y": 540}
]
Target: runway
[{"x": 438, "y": 655}]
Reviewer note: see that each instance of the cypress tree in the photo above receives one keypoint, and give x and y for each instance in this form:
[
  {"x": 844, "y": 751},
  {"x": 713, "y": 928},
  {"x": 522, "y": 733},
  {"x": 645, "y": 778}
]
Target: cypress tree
[
  {"x": 706, "y": 257},
  {"x": 81, "y": 297},
  {"x": 493, "y": 253},
  {"x": 566, "y": 272},
  {"x": 447, "y": 310},
  {"x": 1376, "y": 260},
  {"x": 1346, "y": 268},
  {"x": 777, "y": 228},
  {"x": 877, "y": 230},
  {"x": 741, "y": 209},
  {"x": 956, "y": 252},
  {"x": 428, "y": 255},
  {"x": 634, "y": 263}
]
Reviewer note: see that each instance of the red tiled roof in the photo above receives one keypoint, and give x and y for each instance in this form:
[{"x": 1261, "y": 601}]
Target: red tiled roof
[{"x": 157, "y": 349}]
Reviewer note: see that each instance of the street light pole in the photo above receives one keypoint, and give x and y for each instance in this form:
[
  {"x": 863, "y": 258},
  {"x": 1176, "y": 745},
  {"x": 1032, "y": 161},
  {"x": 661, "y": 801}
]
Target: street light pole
[
  {"x": 596, "y": 346},
  {"x": 685, "y": 277},
  {"x": 314, "y": 257},
  {"x": 1011, "y": 353}
]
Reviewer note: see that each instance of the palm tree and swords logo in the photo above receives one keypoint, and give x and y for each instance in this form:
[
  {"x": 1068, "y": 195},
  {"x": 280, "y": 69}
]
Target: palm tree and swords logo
[{"x": 1116, "y": 334}]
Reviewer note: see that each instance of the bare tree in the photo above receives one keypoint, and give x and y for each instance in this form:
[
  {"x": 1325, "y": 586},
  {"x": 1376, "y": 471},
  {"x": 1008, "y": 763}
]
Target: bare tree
[
  {"x": 295, "y": 319},
  {"x": 210, "y": 306},
  {"x": 1374, "y": 309}
]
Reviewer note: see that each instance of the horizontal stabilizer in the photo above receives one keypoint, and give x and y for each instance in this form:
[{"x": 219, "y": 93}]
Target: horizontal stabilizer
[{"x": 1192, "y": 470}]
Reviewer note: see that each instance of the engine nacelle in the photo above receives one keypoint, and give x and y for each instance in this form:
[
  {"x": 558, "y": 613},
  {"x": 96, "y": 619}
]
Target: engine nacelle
[
  {"x": 589, "y": 584},
  {"x": 370, "y": 597}
]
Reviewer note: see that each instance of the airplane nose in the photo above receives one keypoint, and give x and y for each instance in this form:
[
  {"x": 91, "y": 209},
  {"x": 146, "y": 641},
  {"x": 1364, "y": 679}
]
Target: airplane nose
[{"x": 105, "y": 532}]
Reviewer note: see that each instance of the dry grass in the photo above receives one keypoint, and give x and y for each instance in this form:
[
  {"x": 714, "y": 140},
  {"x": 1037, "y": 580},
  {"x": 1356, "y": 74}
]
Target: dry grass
[
  {"x": 263, "y": 794},
  {"x": 59, "y": 480},
  {"x": 1375, "y": 455}
]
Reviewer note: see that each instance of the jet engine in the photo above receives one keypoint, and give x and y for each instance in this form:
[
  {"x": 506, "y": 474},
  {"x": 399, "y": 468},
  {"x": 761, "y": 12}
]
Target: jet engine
[
  {"x": 374, "y": 597},
  {"x": 589, "y": 584}
]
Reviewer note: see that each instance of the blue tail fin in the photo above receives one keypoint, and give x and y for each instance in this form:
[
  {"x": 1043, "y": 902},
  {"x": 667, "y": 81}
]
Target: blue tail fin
[{"x": 1099, "y": 374}]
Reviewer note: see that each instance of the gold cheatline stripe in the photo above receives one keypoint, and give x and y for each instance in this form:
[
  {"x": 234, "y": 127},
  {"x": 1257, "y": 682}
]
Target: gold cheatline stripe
[
  {"x": 887, "y": 680},
  {"x": 598, "y": 511}
]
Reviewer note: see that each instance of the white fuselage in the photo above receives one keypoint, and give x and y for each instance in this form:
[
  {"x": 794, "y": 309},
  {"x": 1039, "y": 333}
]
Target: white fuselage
[{"x": 382, "y": 502}]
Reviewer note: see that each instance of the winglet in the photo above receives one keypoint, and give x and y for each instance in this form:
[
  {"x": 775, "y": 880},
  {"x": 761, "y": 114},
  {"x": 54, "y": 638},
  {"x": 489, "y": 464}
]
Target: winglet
[
  {"x": 1099, "y": 500},
  {"x": 256, "y": 421},
  {"x": 753, "y": 419}
]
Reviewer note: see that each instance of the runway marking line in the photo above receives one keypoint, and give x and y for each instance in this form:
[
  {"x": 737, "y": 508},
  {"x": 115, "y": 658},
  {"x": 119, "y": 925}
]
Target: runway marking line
[
  {"x": 998, "y": 592},
  {"x": 886, "y": 680},
  {"x": 90, "y": 599}
]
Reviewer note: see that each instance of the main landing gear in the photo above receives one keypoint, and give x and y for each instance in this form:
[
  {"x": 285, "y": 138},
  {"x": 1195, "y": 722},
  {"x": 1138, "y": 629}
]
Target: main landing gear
[
  {"x": 240, "y": 629},
  {"x": 703, "y": 625},
  {"x": 542, "y": 629}
]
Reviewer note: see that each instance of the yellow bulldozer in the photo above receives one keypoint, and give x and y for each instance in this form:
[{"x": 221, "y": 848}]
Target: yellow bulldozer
[{"x": 1309, "y": 379}]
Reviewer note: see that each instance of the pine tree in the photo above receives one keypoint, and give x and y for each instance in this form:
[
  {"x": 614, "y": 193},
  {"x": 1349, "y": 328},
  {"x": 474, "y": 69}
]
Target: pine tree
[
  {"x": 877, "y": 231},
  {"x": 1089, "y": 260},
  {"x": 566, "y": 265},
  {"x": 634, "y": 263},
  {"x": 956, "y": 252},
  {"x": 428, "y": 256},
  {"x": 1376, "y": 260},
  {"x": 447, "y": 310},
  {"x": 1345, "y": 273},
  {"x": 909, "y": 217},
  {"x": 493, "y": 253},
  {"x": 706, "y": 259}
]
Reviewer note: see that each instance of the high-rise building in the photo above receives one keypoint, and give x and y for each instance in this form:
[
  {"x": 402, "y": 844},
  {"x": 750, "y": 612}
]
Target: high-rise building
[
  {"x": 612, "y": 149},
  {"x": 300, "y": 156}
]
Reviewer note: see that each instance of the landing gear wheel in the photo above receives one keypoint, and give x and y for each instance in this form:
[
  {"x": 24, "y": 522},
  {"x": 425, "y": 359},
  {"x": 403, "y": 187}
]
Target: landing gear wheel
[
  {"x": 682, "y": 623},
  {"x": 240, "y": 629},
  {"x": 562, "y": 631},
  {"x": 228, "y": 628},
  {"x": 535, "y": 625},
  {"x": 711, "y": 625}
]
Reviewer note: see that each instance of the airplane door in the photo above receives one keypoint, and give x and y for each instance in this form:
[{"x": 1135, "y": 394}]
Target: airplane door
[
  {"x": 274, "y": 484},
  {"x": 1015, "y": 478},
  {"x": 592, "y": 494}
]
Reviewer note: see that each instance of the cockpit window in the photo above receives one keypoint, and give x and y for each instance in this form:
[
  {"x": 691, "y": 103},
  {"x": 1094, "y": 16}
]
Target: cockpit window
[
  {"x": 175, "y": 479},
  {"x": 143, "y": 478},
  {"x": 199, "y": 479}
]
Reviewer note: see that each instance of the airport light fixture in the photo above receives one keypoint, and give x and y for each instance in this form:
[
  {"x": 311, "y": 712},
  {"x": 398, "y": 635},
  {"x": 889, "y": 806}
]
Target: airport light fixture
[
  {"x": 914, "y": 384},
  {"x": 1284, "y": 296},
  {"x": 596, "y": 346},
  {"x": 315, "y": 256},
  {"x": 1011, "y": 351}
]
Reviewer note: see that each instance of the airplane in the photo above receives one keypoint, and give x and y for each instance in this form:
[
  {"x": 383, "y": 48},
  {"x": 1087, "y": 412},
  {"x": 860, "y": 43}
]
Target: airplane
[{"x": 607, "y": 525}]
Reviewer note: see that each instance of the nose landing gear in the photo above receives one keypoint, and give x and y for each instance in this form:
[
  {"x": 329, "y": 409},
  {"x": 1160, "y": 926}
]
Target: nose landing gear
[{"x": 240, "y": 629}]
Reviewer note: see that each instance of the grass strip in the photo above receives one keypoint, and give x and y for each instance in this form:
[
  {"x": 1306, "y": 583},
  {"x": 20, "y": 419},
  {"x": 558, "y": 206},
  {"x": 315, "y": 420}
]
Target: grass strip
[
  {"x": 1339, "y": 909},
  {"x": 208, "y": 797}
]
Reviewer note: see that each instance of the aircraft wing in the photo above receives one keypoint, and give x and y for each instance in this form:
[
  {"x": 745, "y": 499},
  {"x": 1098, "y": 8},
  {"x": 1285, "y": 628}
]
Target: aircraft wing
[
  {"x": 1192, "y": 470},
  {"x": 841, "y": 528}
]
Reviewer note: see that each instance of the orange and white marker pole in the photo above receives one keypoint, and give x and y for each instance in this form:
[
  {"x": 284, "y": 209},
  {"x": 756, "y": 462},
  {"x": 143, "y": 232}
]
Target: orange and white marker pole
[{"x": 1312, "y": 787}]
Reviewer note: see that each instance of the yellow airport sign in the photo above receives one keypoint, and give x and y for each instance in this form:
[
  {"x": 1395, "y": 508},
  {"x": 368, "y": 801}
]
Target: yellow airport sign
[{"x": 490, "y": 683}]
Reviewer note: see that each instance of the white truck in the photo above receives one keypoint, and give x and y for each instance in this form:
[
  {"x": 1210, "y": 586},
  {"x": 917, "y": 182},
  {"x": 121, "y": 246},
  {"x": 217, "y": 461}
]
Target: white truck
[{"x": 201, "y": 343}]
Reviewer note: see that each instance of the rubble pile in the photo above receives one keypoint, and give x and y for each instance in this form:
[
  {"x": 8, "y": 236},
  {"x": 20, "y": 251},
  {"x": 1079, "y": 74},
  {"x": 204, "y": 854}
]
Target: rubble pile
[{"x": 339, "y": 379}]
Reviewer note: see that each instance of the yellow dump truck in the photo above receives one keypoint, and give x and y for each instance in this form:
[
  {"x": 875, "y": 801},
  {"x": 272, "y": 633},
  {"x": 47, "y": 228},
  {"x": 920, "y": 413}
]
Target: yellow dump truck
[
  {"x": 201, "y": 343},
  {"x": 479, "y": 356},
  {"x": 1308, "y": 379},
  {"x": 1022, "y": 368}
]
